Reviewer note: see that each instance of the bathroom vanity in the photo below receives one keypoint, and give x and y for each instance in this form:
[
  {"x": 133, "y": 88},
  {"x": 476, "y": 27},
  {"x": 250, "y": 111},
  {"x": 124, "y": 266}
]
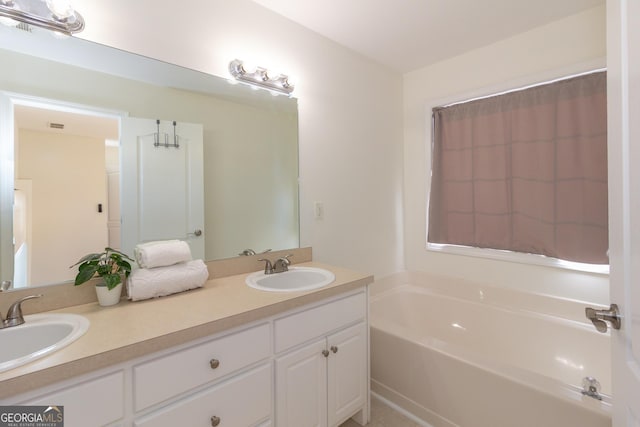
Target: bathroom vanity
[{"x": 223, "y": 355}]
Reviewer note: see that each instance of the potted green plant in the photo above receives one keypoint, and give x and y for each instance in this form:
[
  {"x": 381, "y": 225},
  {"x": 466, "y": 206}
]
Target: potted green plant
[{"x": 110, "y": 265}]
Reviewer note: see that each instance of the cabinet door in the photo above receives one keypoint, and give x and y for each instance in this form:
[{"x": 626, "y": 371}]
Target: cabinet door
[
  {"x": 301, "y": 387},
  {"x": 347, "y": 373},
  {"x": 95, "y": 402}
]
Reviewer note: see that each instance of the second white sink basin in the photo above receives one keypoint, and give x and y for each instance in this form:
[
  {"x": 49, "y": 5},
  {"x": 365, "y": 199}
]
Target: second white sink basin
[
  {"x": 296, "y": 279},
  {"x": 40, "y": 335}
]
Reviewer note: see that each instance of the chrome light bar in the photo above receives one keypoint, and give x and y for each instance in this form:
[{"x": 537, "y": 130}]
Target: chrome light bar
[
  {"x": 54, "y": 15},
  {"x": 260, "y": 77}
]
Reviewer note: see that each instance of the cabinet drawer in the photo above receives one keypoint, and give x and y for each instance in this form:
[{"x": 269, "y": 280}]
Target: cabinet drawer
[
  {"x": 95, "y": 402},
  {"x": 244, "y": 400},
  {"x": 170, "y": 375},
  {"x": 306, "y": 325}
]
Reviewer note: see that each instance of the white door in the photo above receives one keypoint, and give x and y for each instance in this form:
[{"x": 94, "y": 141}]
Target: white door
[
  {"x": 623, "y": 86},
  {"x": 162, "y": 191},
  {"x": 347, "y": 373},
  {"x": 301, "y": 387}
]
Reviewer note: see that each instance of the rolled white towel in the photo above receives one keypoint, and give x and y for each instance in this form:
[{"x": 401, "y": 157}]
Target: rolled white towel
[
  {"x": 146, "y": 283},
  {"x": 162, "y": 253}
]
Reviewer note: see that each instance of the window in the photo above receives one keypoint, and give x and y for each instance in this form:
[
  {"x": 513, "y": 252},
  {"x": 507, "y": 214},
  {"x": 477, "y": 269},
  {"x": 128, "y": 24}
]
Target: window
[{"x": 524, "y": 171}]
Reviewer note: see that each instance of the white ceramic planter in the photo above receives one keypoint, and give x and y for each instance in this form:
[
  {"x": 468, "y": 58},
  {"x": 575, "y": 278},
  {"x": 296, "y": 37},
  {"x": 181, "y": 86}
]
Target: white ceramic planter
[{"x": 108, "y": 297}]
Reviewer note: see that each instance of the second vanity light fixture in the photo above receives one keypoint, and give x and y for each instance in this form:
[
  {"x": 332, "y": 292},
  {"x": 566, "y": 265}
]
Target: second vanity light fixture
[
  {"x": 54, "y": 15},
  {"x": 260, "y": 77}
]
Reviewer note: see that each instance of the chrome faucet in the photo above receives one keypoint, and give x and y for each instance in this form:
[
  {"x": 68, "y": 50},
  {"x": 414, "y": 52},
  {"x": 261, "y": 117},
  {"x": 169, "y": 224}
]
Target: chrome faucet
[
  {"x": 248, "y": 252},
  {"x": 268, "y": 268},
  {"x": 282, "y": 264},
  {"x": 14, "y": 315},
  {"x": 278, "y": 266}
]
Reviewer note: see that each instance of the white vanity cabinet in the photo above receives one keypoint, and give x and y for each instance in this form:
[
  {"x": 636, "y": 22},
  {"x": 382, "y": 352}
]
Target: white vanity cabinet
[
  {"x": 304, "y": 367},
  {"x": 224, "y": 381},
  {"x": 322, "y": 382}
]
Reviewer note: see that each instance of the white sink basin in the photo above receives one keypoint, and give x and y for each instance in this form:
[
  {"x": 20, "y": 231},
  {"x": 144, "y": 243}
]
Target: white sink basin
[
  {"x": 296, "y": 279},
  {"x": 40, "y": 335}
]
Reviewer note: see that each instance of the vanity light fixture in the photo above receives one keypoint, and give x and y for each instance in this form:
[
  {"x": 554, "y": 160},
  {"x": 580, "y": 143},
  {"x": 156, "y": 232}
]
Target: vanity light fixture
[
  {"x": 55, "y": 15},
  {"x": 260, "y": 77}
]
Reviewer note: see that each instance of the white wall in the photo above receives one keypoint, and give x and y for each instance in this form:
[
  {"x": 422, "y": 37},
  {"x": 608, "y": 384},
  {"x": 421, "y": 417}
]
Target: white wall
[
  {"x": 554, "y": 50},
  {"x": 350, "y": 112}
]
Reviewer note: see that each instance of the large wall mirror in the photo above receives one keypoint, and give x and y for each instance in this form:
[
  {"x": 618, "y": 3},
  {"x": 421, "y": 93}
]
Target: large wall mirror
[{"x": 101, "y": 147}]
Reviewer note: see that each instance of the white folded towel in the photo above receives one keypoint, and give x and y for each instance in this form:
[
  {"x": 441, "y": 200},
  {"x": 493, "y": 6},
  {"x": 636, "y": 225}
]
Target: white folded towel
[
  {"x": 145, "y": 283},
  {"x": 162, "y": 253}
]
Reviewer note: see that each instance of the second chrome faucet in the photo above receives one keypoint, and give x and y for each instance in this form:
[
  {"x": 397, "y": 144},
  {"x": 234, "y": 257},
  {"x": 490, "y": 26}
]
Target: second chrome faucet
[
  {"x": 278, "y": 266},
  {"x": 14, "y": 315}
]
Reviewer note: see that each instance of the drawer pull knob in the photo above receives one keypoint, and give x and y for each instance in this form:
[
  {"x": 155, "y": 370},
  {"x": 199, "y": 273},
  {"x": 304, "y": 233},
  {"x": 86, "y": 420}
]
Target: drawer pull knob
[
  {"x": 325, "y": 353},
  {"x": 334, "y": 348},
  {"x": 215, "y": 421},
  {"x": 214, "y": 363}
]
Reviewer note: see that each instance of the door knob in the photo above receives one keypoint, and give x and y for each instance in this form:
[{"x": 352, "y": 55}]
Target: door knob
[
  {"x": 196, "y": 232},
  {"x": 599, "y": 318}
]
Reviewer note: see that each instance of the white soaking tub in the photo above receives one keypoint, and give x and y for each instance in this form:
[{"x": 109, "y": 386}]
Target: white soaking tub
[{"x": 455, "y": 353}]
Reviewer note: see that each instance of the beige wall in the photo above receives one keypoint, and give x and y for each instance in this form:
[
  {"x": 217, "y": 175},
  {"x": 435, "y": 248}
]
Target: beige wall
[
  {"x": 350, "y": 112},
  {"x": 64, "y": 204},
  {"x": 262, "y": 216},
  {"x": 569, "y": 45}
]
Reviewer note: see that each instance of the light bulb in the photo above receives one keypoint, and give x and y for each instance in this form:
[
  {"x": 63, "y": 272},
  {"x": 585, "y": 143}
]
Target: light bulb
[
  {"x": 5, "y": 20},
  {"x": 249, "y": 68},
  {"x": 61, "y": 9}
]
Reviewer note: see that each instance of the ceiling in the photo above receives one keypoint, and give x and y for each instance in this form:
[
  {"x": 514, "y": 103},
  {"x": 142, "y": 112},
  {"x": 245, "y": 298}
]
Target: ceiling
[
  {"x": 406, "y": 35},
  {"x": 92, "y": 126}
]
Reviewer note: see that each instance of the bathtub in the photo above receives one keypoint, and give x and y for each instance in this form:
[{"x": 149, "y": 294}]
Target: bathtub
[{"x": 455, "y": 353}]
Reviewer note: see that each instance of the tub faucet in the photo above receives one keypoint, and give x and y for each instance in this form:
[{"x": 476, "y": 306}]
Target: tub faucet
[
  {"x": 591, "y": 388},
  {"x": 14, "y": 315}
]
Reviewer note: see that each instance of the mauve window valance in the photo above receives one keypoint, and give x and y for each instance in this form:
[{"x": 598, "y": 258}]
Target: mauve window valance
[{"x": 524, "y": 171}]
